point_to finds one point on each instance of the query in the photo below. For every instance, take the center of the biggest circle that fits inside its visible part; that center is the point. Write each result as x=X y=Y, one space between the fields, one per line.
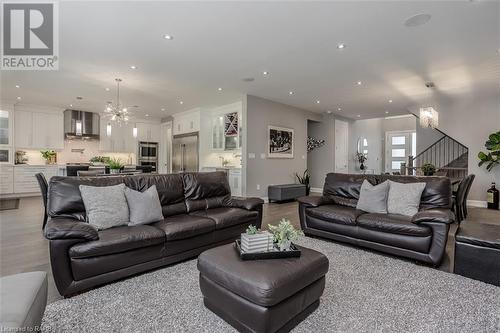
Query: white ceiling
x=217 y=44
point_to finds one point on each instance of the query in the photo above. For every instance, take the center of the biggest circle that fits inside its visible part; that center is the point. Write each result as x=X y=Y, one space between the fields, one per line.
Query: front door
x=398 y=146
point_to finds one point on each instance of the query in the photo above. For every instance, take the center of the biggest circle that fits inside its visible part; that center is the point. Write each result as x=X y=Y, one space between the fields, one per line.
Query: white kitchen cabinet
x=25 y=180
x=121 y=139
x=6 y=128
x=39 y=130
x=6 y=179
x=219 y=139
x=186 y=123
x=148 y=132
x=235 y=182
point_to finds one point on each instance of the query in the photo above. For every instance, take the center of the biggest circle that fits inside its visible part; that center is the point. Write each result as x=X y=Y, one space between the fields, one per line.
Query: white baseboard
x=316 y=189
x=477 y=203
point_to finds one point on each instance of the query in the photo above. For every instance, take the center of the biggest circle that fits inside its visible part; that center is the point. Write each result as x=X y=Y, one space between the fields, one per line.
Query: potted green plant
x=115 y=164
x=284 y=234
x=99 y=160
x=428 y=169
x=361 y=158
x=492 y=157
x=305 y=179
x=256 y=240
x=50 y=156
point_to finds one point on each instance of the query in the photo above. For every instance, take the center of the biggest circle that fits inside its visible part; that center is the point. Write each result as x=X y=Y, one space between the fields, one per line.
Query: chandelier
x=117 y=112
x=429 y=117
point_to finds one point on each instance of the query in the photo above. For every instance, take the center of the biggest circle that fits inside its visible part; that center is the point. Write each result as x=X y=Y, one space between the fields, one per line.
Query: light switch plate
x=263 y=156
x=251 y=155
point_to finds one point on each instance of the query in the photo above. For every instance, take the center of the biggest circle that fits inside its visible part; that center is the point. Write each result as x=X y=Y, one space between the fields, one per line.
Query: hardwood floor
x=23 y=247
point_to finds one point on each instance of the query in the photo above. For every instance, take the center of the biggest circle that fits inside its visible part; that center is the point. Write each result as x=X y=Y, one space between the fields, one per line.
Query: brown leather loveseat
x=199 y=213
x=422 y=237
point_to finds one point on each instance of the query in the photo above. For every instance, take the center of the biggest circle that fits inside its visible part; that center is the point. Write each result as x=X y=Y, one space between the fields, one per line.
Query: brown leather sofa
x=421 y=237
x=199 y=213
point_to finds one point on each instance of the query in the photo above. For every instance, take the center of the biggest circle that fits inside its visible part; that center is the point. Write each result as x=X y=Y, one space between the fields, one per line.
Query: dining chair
x=42 y=182
x=470 y=180
x=460 y=198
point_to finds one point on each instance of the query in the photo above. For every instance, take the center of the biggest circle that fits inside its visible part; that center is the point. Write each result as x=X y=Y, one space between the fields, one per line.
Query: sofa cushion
x=373 y=198
x=404 y=198
x=184 y=226
x=106 y=206
x=144 y=207
x=335 y=213
x=205 y=190
x=119 y=239
x=225 y=217
x=392 y=223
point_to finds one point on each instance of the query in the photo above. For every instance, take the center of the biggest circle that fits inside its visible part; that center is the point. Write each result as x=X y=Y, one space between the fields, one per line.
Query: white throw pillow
x=106 y=206
x=373 y=198
x=403 y=198
x=144 y=207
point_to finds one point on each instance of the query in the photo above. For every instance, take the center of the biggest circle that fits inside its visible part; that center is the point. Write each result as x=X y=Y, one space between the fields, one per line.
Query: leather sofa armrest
x=314 y=201
x=67 y=228
x=434 y=215
x=246 y=203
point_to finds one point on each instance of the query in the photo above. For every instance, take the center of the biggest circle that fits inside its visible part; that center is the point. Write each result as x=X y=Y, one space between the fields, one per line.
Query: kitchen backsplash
x=73 y=153
x=214 y=160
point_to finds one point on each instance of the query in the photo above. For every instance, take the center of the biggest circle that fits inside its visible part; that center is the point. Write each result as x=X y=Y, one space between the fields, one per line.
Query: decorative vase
x=114 y=171
x=285 y=245
x=428 y=173
x=361 y=166
x=51 y=160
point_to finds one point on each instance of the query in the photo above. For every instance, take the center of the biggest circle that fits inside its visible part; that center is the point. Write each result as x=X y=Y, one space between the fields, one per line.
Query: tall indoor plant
x=492 y=156
x=305 y=179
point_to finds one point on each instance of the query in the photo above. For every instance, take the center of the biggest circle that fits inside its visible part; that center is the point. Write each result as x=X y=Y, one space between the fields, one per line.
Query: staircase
x=449 y=156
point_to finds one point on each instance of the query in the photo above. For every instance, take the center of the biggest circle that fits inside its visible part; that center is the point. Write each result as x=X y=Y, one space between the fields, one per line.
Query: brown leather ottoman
x=261 y=295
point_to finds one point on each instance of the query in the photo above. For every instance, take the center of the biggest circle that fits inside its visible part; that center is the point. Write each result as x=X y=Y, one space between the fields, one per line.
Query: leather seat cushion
x=335 y=213
x=393 y=223
x=479 y=234
x=225 y=217
x=184 y=226
x=262 y=282
x=118 y=239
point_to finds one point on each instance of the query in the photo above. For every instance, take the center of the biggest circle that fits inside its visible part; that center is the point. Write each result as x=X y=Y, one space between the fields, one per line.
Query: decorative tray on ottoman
x=294 y=252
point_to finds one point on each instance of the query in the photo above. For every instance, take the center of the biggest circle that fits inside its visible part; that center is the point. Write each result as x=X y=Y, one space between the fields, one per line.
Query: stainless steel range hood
x=81 y=125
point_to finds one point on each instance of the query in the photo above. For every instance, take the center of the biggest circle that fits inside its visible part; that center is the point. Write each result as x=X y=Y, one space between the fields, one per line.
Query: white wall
x=321 y=161
x=262 y=171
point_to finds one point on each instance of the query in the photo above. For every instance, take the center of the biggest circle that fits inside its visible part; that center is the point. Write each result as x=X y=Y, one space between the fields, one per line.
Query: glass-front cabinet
x=6 y=153
x=226 y=131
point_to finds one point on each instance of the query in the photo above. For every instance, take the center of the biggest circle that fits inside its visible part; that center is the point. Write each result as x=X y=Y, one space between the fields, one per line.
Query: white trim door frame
x=398 y=146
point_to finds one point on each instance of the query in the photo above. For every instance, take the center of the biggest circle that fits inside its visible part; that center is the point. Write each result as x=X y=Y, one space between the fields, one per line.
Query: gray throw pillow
x=373 y=198
x=404 y=199
x=106 y=206
x=144 y=207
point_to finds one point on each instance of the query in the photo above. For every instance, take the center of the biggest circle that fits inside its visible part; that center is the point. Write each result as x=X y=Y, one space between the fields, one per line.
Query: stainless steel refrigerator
x=185 y=153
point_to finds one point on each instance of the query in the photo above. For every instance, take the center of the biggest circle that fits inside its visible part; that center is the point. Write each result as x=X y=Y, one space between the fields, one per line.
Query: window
x=399 y=145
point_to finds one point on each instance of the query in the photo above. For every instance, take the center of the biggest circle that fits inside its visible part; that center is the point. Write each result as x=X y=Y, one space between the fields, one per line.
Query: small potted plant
x=115 y=164
x=50 y=156
x=255 y=240
x=428 y=169
x=361 y=158
x=305 y=179
x=99 y=160
x=284 y=234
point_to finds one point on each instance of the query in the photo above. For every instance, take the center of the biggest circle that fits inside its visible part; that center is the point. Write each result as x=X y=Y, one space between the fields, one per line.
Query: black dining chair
x=42 y=182
x=470 y=180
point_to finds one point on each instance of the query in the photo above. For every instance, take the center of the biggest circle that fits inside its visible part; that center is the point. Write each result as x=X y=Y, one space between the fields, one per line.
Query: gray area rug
x=365 y=292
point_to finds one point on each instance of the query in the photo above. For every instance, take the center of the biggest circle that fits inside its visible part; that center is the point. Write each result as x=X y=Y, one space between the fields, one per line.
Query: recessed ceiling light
x=339 y=109
x=107 y=89
x=265 y=73
x=71 y=105
x=341 y=46
x=359 y=83
x=168 y=37
x=318 y=101
x=163 y=109
x=219 y=89
x=133 y=67
x=181 y=102
x=328 y=111
x=147 y=115
x=417 y=20
x=290 y=93
x=18 y=86
x=18 y=98
x=386 y=112
x=390 y=101
x=359 y=116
